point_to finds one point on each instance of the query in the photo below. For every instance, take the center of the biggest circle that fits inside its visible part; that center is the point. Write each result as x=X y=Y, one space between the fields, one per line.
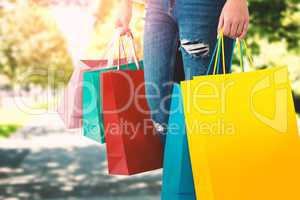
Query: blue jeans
x=190 y=25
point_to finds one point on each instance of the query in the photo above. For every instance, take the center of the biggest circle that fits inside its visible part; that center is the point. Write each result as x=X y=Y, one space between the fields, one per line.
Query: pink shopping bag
x=70 y=107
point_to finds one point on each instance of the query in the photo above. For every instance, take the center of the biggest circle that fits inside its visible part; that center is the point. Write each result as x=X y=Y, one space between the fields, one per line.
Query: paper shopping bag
x=92 y=101
x=178 y=183
x=93 y=127
x=104 y=62
x=70 y=106
x=132 y=144
x=242 y=135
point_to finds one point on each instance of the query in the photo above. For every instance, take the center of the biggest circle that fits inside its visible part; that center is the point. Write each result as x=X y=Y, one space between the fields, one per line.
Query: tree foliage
x=30 y=40
x=32 y=44
x=276 y=20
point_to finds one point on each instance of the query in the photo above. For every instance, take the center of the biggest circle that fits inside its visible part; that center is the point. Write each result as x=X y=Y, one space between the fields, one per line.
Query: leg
x=160 y=45
x=198 y=21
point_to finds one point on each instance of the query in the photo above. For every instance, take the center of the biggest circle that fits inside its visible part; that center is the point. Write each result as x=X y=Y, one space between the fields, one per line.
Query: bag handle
x=130 y=40
x=216 y=54
x=118 y=40
x=110 y=49
x=240 y=45
x=244 y=52
x=248 y=54
x=120 y=50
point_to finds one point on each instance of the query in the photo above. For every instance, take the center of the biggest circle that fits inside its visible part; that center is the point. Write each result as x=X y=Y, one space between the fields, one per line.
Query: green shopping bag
x=92 y=118
x=93 y=127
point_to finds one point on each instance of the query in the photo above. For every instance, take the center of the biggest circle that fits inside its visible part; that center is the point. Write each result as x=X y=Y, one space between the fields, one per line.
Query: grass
x=7 y=130
x=11 y=120
x=14 y=117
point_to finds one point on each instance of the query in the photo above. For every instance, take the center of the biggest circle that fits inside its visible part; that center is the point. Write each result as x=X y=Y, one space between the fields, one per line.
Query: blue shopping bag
x=178 y=183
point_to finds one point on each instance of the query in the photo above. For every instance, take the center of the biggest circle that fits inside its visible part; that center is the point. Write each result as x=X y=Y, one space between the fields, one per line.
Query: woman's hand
x=124 y=16
x=234 y=19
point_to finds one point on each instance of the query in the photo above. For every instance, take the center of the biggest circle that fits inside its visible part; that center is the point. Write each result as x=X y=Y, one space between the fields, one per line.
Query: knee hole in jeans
x=195 y=48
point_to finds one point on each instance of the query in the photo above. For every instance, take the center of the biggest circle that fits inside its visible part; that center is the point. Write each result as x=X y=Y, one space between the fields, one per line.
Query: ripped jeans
x=190 y=25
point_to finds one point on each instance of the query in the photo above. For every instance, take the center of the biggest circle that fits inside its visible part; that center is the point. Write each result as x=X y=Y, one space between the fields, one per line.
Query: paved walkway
x=45 y=161
x=42 y=162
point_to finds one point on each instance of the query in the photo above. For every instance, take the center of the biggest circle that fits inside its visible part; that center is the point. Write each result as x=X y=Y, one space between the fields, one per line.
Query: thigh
x=198 y=22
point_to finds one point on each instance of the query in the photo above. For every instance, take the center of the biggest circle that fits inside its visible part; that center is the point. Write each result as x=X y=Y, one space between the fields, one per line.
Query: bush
x=7 y=130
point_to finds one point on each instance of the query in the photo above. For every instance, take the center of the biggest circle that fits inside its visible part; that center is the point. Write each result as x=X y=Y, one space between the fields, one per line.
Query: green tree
x=31 y=44
x=276 y=20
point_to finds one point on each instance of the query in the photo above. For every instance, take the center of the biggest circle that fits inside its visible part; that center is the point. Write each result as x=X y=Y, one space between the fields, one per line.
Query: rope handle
x=130 y=40
x=248 y=54
x=217 y=52
x=220 y=47
x=109 y=53
x=133 y=49
x=118 y=40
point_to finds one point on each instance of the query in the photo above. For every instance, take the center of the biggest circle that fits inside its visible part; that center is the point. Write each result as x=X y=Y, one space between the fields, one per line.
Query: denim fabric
x=188 y=24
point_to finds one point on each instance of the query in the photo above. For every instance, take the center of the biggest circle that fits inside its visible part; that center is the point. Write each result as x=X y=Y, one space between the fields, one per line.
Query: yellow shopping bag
x=242 y=135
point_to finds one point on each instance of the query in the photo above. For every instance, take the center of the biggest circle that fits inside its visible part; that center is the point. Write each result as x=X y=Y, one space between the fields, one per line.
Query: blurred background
x=41 y=42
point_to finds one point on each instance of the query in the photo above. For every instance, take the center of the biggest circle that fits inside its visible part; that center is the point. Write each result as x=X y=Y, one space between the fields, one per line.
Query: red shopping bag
x=132 y=144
